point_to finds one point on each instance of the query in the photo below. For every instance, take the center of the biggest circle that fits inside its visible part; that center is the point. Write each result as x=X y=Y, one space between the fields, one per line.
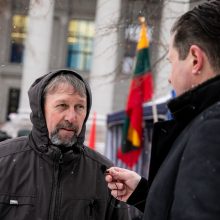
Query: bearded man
x=51 y=174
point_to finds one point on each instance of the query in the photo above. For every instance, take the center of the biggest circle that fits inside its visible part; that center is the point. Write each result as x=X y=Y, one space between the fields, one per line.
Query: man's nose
x=71 y=116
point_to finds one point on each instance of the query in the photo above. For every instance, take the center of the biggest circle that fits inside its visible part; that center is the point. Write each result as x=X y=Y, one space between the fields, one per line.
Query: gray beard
x=57 y=140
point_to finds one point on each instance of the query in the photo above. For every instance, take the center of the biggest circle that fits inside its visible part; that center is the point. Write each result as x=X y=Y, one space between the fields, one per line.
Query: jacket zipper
x=55 y=198
x=91 y=208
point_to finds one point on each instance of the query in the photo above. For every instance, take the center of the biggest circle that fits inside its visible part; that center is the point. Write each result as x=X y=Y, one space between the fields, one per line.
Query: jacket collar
x=193 y=102
x=183 y=108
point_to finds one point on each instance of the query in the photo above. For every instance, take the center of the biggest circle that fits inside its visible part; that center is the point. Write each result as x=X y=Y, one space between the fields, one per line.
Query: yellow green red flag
x=141 y=90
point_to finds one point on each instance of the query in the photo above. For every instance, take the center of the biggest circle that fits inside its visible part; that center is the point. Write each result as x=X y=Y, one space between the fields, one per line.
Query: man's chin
x=64 y=141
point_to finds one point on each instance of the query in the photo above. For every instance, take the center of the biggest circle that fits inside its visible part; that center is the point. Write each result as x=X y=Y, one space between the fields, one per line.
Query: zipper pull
x=91 y=207
x=61 y=159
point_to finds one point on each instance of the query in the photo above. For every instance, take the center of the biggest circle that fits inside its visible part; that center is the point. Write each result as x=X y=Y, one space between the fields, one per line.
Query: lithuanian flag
x=141 y=90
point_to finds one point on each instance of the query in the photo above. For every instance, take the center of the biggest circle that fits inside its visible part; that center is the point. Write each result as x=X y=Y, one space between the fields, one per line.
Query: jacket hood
x=35 y=94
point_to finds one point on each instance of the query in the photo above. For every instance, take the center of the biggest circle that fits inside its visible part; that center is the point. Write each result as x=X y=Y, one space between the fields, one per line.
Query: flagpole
x=154 y=106
x=141 y=89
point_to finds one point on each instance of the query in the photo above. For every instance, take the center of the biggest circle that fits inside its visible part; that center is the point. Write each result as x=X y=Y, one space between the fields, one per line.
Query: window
x=80 y=44
x=131 y=39
x=13 y=101
x=18 y=34
x=132 y=34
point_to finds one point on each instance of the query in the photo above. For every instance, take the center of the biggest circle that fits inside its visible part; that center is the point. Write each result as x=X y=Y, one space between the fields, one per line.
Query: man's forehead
x=64 y=97
x=65 y=88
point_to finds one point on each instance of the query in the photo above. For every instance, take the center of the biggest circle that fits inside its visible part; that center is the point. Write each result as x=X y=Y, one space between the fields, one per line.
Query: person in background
x=184 y=176
x=51 y=174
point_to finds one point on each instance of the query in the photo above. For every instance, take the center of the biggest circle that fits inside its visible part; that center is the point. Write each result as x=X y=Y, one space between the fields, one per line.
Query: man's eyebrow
x=82 y=101
x=59 y=101
x=82 y=98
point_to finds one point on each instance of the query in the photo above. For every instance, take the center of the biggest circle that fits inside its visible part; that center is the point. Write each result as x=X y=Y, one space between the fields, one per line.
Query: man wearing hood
x=51 y=174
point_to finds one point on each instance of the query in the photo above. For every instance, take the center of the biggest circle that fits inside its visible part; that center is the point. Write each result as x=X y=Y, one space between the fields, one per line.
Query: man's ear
x=197 y=56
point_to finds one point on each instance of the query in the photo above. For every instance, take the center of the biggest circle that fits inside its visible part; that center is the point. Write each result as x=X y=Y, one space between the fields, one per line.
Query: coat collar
x=193 y=102
x=184 y=109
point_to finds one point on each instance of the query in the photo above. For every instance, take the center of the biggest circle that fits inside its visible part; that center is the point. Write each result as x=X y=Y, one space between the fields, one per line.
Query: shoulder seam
x=103 y=161
x=17 y=152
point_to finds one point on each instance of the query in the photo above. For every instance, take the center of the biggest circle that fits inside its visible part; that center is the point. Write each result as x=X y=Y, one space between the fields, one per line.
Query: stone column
x=171 y=11
x=36 y=59
x=105 y=52
x=37 y=47
x=105 y=62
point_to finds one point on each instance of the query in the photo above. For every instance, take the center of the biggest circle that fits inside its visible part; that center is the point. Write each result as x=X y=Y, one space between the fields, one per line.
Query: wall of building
x=11 y=73
x=159 y=16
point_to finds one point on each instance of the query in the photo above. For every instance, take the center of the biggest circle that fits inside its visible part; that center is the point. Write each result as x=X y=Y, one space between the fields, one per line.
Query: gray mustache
x=67 y=125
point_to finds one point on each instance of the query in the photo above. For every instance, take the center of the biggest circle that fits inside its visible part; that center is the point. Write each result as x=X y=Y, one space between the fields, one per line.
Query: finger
x=119 y=186
x=118 y=169
x=120 y=195
x=119 y=173
x=112 y=186
x=108 y=178
x=116 y=186
x=122 y=192
x=114 y=193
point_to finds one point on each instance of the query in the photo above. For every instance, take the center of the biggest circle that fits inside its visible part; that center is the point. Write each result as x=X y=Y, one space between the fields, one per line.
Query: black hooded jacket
x=39 y=182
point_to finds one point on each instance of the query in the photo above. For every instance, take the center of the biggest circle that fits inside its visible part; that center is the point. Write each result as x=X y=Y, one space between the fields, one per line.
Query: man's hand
x=121 y=182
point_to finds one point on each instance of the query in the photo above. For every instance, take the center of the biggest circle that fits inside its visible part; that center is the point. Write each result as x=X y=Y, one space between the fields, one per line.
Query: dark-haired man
x=184 y=173
x=51 y=175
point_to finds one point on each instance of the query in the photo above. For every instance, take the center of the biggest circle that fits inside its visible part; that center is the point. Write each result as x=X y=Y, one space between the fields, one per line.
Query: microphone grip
x=104 y=169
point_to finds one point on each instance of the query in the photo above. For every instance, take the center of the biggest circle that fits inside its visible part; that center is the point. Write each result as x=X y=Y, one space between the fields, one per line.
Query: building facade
x=97 y=38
